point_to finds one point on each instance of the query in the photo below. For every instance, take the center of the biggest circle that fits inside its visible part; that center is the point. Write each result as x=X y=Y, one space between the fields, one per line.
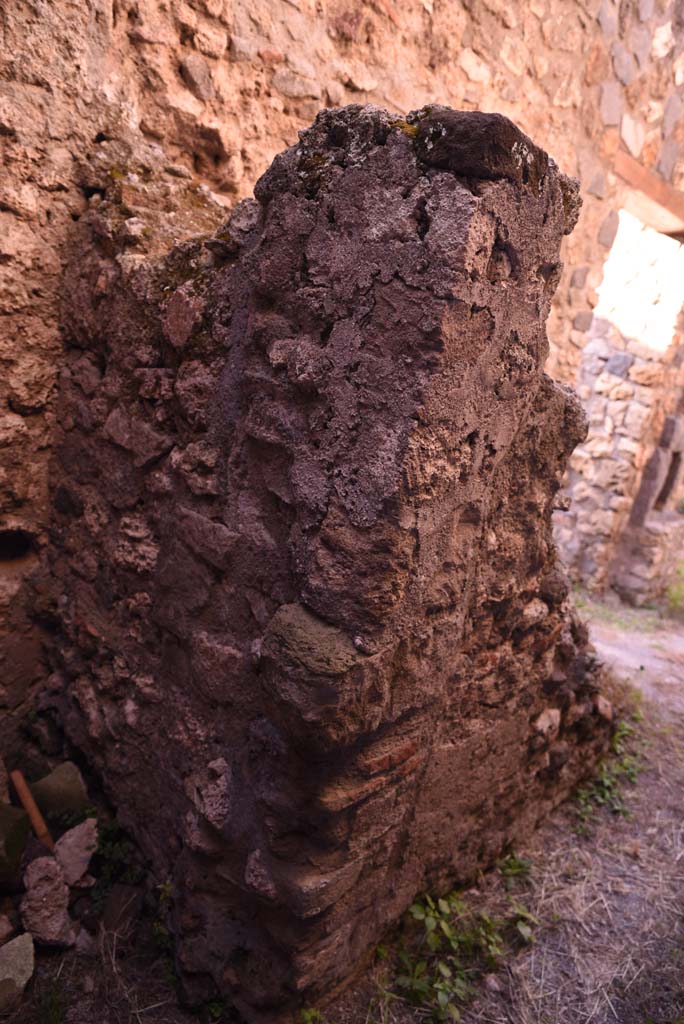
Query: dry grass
x=611 y=937
x=113 y=986
x=608 y=897
x=609 y=945
x=612 y=612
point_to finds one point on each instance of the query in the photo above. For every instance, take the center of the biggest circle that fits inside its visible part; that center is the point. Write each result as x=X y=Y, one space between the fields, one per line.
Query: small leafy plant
x=456 y=946
x=115 y=860
x=621 y=767
x=165 y=890
x=514 y=869
x=162 y=937
x=69 y=819
x=309 y=1015
x=52 y=1007
x=217 y=1011
x=524 y=922
x=675 y=592
x=116 y=855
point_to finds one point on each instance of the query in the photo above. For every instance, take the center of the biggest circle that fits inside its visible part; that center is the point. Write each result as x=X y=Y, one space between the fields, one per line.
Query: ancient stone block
x=75 y=849
x=608 y=18
x=608 y=229
x=674 y=110
x=346 y=673
x=611 y=104
x=623 y=62
x=62 y=791
x=636 y=418
x=667 y=158
x=597 y=185
x=640 y=42
x=196 y=74
x=619 y=364
x=582 y=320
x=16 y=969
x=607 y=381
x=579 y=277
x=44 y=905
x=650 y=374
x=633 y=134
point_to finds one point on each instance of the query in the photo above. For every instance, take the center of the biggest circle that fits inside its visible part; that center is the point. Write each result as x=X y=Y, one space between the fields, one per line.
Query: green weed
x=52 y=1006
x=215 y=1010
x=619 y=769
x=607 y=790
x=454 y=948
x=311 y=1016
x=514 y=869
x=218 y=1011
x=162 y=936
x=674 y=593
x=115 y=860
x=116 y=855
x=69 y=819
x=165 y=890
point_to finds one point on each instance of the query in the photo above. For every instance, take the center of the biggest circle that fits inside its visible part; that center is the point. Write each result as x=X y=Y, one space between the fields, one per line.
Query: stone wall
x=220 y=88
x=649 y=565
x=631 y=379
x=309 y=623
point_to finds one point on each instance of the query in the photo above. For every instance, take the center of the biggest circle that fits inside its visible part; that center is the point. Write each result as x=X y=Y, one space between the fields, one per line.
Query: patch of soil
x=107 y=988
x=642 y=647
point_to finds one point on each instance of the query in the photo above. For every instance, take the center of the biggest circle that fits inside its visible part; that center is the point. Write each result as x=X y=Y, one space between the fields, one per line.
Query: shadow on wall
x=20 y=649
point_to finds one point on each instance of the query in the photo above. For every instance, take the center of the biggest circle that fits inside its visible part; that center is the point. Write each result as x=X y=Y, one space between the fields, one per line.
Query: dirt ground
x=610 y=946
x=604 y=892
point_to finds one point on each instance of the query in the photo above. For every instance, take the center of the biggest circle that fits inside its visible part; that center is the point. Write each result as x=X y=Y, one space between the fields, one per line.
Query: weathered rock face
x=44 y=907
x=621 y=528
x=311 y=622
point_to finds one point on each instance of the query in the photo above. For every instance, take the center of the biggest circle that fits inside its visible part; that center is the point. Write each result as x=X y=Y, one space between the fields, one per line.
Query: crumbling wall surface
x=630 y=381
x=309 y=621
x=629 y=392
x=220 y=88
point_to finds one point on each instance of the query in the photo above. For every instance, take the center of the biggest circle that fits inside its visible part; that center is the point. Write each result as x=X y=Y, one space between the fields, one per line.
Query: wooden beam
x=35 y=817
x=650 y=184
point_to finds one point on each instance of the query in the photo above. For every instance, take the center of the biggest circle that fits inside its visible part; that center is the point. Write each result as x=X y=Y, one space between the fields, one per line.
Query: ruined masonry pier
x=312 y=629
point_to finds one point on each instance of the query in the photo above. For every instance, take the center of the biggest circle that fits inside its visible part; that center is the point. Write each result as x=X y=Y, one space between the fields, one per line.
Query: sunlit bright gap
x=641 y=293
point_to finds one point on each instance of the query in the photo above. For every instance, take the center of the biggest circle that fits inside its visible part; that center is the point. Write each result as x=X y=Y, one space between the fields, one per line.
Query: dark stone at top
x=477 y=145
x=470 y=144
